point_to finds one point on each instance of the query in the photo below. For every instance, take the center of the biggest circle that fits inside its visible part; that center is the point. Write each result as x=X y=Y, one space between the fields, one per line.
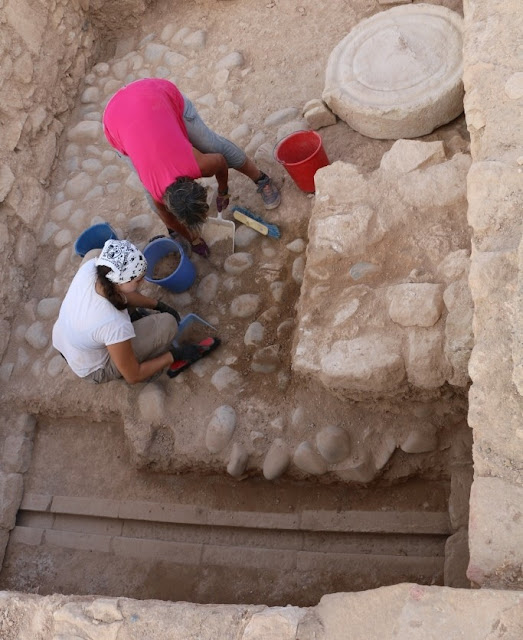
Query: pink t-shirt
x=144 y=121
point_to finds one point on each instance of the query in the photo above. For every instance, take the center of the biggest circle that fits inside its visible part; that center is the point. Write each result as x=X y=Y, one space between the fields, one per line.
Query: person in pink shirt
x=152 y=123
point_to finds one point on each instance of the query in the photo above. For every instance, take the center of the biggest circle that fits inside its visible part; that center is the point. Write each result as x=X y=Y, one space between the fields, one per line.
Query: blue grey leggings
x=207 y=141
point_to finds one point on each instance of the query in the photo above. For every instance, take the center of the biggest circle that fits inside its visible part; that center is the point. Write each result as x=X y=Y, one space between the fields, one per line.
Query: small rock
x=7 y=179
x=420 y=441
x=234 y=59
x=207 y=288
x=173 y=59
x=37 y=336
x=333 y=444
x=281 y=116
x=62 y=211
x=266 y=360
x=285 y=329
x=277 y=288
x=154 y=53
x=319 y=116
x=48 y=308
x=143 y=221
x=56 y=366
x=298 y=268
x=220 y=428
x=269 y=315
x=62 y=238
x=151 y=403
x=225 y=377
x=306 y=459
x=362 y=269
x=237 y=263
x=254 y=334
x=92 y=165
x=109 y=174
x=278 y=424
x=244 y=236
x=78 y=185
x=91 y=94
x=195 y=40
x=104 y=610
x=290 y=127
x=85 y=132
x=277 y=460
x=237 y=461
x=245 y=305
x=296 y=246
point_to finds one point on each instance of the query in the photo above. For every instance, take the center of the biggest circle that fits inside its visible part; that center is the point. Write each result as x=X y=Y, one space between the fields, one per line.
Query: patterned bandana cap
x=124 y=259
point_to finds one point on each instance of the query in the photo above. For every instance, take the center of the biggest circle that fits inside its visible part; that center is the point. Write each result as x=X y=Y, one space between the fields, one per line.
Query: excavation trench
x=90 y=524
x=104 y=510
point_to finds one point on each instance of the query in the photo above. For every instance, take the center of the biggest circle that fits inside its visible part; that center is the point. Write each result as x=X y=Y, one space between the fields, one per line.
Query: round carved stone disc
x=399 y=73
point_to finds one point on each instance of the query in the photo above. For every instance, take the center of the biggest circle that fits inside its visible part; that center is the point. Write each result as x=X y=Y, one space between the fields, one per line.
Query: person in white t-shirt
x=94 y=332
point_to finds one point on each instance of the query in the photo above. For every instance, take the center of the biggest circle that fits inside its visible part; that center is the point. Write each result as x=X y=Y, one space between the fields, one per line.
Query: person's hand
x=200 y=247
x=165 y=308
x=222 y=201
x=187 y=352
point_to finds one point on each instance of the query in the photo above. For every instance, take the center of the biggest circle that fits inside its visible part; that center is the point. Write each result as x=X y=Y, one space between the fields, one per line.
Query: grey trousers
x=154 y=334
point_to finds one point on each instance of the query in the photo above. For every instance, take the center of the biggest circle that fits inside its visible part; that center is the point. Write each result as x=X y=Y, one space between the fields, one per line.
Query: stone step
x=420 y=568
x=399 y=522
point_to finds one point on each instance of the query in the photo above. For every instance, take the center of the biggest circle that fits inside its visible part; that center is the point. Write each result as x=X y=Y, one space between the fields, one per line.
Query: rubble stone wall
x=45 y=49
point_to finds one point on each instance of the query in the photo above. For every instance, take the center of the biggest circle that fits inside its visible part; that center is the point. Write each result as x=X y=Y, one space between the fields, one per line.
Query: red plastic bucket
x=302 y=154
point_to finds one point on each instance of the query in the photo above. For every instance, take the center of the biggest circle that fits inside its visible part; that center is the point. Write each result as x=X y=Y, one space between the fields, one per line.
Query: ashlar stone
x=415 y=304
x=220 y=428
x=11 y=491
x=369 y=363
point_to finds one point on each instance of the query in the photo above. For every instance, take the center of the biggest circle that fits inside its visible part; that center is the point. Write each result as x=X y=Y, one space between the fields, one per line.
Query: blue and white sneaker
x=269 y=193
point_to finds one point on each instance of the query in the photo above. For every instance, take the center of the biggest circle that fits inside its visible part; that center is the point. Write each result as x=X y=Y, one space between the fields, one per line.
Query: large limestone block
x=415 y=612
x=398 y=74
x=408 y=155
x=496 y=534
x=371 y=363
x=415 y=304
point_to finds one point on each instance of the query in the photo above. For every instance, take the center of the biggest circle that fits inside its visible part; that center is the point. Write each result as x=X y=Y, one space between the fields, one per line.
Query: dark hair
x=110 y=291
x=187 y=200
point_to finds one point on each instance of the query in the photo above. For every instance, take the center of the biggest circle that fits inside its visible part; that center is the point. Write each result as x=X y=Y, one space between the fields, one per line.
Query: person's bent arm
x=213 y=164
x=136 y=299
x=132 y=371
x=171 y=222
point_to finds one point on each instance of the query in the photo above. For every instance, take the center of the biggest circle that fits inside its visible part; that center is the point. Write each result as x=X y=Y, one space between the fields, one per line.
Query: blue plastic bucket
x=182 y=277
x=94 y=238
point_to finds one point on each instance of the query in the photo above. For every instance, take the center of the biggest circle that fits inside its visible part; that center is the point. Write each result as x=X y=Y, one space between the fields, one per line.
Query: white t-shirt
x=87 y=323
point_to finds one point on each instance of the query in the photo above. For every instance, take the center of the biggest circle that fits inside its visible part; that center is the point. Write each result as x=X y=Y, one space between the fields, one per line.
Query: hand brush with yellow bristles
x=255 y=222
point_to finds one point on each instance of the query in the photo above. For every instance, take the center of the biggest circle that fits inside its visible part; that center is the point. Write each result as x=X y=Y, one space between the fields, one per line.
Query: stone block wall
x=493 y=106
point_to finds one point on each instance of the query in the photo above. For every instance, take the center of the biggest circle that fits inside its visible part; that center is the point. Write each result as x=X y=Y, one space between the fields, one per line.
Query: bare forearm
x=171 y=222
x=148 y=368
x=136 y=299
